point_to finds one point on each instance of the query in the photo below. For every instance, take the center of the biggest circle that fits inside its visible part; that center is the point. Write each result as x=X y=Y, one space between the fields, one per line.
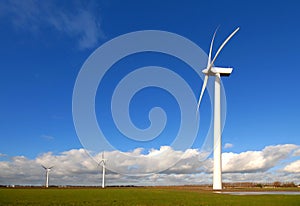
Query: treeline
x=260 y=185
x=62 y=186
x=276 y=184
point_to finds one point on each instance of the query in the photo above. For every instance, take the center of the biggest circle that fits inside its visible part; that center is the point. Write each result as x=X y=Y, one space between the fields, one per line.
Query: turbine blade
x=202 y=91
x=101 y=163
x=44 y=167
x=210 y=49
x=222 y=46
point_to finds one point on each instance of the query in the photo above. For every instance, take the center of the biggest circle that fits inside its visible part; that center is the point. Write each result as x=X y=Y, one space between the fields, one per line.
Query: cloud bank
x=75 y=167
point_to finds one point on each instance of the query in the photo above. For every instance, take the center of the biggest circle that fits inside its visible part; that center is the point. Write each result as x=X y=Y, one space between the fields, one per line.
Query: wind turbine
x=217 y=72
x=103 y=162
x=47 y=175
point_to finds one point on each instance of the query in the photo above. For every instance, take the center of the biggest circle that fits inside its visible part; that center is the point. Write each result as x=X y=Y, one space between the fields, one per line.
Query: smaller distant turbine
x=47 y=175
x=102 y=163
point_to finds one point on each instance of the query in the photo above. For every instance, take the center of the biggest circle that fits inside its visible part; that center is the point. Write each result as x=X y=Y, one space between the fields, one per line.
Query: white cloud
x=76 y=167
x=78 y=20
x=263 y=177
x=2 y=155
x=228 y=145
x=296 y=152
x=256 y=161
x=156 y=160
x=293 y=167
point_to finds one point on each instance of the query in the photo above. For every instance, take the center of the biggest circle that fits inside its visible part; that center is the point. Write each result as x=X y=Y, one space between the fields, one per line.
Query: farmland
x=136 y=196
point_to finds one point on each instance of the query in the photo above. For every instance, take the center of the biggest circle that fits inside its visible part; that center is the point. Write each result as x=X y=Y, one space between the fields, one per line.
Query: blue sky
x=44 y=45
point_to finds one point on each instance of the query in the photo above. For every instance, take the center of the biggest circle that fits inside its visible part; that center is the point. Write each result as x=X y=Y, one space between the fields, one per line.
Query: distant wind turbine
x=47 y=169
x=217 y=72
x=102 y=163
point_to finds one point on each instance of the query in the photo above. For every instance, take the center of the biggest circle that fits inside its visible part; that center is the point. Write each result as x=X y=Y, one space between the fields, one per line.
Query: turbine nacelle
x=102 y=161
x=47 y=168
x=217 y=70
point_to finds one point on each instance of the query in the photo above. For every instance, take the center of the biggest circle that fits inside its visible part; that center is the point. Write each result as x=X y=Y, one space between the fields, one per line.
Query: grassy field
x=136 y=196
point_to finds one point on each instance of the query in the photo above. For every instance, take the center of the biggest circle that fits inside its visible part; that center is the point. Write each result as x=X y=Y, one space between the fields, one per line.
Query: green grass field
x=136 y=196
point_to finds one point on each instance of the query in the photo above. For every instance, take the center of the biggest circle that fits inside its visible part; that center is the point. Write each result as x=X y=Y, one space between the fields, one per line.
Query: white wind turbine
x=47 y=175
x=103 y=162
x=217 y=72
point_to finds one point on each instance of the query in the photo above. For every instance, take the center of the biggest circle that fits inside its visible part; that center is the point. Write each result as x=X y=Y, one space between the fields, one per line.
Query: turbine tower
x=217 y=72
x=103 y=162
x=47 y=175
